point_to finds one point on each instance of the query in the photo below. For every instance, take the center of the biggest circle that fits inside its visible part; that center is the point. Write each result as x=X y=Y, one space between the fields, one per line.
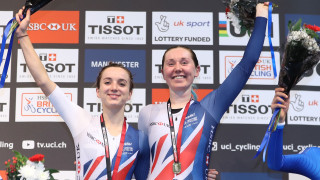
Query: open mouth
x=178 y=77
x=113 y=95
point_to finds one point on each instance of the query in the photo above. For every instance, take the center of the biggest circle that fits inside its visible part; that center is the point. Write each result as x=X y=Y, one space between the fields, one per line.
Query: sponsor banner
x=311 y=77
x=242 y=147
x=262 y=73
x=304 y=108
x=250 y=107
x=306 y=19
x=134 y=60
x=205 y=58
x=115 y=27
x=6 y=145
x=3 y=175
x=54 y=27
x=31 y=144
x=4 y=104
x=8 y=77
x=230 y=35
x=61 y=65
x=33 y=106
x=65 y=175
x=162 y=95
x=132 y=108
x=6 y=16
x=192 y=28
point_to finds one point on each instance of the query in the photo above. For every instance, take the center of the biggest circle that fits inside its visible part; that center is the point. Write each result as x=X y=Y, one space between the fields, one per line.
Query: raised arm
x=34 y=64
x=275 y=157
x=218 y=101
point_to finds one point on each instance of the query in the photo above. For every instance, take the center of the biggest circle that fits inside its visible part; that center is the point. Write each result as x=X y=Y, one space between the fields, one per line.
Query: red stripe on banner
x=160 y=143
x=186 y=158
x=93 y=167
x=222 y=25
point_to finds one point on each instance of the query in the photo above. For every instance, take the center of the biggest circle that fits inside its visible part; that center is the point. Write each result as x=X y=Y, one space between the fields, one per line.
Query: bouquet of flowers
x=20 y=167
x=301 y=53
x=242 y=13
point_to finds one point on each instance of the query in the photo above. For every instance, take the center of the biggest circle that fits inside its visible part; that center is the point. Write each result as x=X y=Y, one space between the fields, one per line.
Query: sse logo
x=115 y=27
x=55 y=27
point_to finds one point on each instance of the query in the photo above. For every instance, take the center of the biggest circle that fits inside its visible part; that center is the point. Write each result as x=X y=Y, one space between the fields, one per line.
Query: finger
x=266 y=3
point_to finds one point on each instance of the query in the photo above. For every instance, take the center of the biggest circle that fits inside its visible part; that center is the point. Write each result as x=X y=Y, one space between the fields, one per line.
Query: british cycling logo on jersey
x=159 y=124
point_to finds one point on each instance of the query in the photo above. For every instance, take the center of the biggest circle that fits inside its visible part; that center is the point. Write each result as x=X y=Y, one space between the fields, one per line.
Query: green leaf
x=297 y=26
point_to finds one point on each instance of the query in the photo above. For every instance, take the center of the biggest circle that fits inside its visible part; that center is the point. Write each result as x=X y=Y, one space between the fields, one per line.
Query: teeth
x=178 y=77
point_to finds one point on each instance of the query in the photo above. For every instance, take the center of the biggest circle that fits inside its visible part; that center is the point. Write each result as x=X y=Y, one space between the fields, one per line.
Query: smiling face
x=114 y=90
x=179 y=69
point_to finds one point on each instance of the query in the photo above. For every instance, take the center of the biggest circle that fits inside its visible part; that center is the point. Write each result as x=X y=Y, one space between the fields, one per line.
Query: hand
x=212 y=174
x=262 y=10
x=282 y=98
x=23 y=24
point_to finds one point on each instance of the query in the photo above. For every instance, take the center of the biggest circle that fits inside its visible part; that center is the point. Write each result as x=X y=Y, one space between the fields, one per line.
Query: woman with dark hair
x=181 y=131
x=307 y=162
x=106 y=147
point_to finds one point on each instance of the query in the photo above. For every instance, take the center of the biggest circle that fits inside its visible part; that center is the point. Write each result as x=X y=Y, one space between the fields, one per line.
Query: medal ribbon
x=176 y=145
x=4 y=39
x=106 y=143
x=270 y=42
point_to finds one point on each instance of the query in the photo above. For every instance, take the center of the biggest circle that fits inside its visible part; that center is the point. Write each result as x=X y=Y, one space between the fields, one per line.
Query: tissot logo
x=250 y=98
x=61 y=65
x=4 y=104
x=250 y=107
x=132 y=108
x=115 y=27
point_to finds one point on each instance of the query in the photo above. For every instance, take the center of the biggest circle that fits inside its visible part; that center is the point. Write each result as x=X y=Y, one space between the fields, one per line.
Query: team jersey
x=201 y=121
x=89 y=143
x=306 y=163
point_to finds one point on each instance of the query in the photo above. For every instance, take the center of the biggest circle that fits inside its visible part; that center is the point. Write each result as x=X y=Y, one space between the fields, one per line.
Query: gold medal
x=176 y=167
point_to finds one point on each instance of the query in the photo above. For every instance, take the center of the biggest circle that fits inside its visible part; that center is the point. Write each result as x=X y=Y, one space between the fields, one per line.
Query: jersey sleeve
x=293 y=163
x=144 y=117
x=75 y=117
x=219 y=100
x=142 y=168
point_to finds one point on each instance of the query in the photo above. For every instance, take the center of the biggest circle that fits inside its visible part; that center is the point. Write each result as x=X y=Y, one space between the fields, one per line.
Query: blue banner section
x=260 y=176
x=134 y=60
x=306 y=19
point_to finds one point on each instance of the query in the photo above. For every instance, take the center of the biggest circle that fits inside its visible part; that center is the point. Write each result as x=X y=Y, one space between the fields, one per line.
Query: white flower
x=42 y=175
x=34 y=171
x=234 y=19
x=28 y=171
